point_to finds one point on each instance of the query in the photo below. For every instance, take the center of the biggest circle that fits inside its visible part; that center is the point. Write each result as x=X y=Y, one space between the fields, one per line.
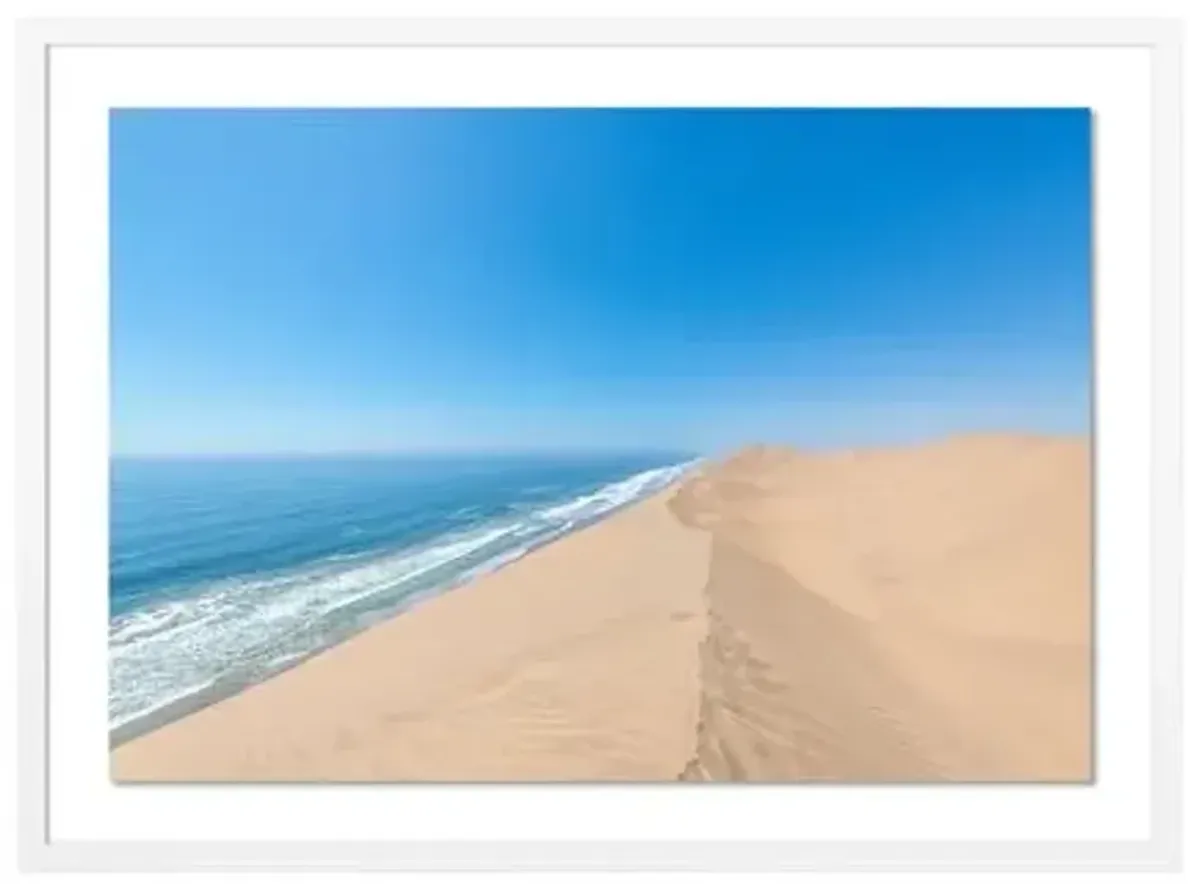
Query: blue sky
x=416 y=280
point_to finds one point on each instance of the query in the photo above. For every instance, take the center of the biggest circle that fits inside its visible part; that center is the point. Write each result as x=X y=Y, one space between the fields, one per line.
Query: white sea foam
x=243 y=623
x=612 y=496
x=241 y=629
x=495 y=563
x=159 y=704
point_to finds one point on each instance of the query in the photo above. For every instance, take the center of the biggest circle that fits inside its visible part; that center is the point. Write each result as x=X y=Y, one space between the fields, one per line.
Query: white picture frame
x=41 y=849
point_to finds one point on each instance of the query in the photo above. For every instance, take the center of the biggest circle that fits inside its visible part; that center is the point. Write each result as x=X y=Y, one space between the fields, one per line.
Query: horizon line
x=1086 y=433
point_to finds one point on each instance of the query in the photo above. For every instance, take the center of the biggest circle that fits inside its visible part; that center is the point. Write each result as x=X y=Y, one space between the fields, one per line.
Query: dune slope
x=577 y=662
x=910 y=614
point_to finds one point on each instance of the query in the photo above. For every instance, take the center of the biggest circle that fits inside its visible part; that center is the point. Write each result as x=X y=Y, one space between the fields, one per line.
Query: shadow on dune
x=872 y=677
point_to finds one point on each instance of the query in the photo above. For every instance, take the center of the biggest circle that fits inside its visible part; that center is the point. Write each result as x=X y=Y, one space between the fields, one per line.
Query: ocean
x=224 y=571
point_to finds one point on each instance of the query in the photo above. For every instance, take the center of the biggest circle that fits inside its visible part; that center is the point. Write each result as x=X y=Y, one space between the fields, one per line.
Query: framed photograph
x=643 y=444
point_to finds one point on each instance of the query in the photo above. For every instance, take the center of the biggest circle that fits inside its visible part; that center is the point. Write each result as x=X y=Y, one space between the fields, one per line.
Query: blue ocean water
x=224 y=571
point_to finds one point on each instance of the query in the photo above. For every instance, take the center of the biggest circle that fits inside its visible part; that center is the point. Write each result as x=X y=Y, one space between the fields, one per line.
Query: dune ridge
x=895 y=615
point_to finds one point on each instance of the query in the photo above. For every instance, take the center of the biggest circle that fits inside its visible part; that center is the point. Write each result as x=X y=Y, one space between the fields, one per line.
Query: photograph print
x=600 y=444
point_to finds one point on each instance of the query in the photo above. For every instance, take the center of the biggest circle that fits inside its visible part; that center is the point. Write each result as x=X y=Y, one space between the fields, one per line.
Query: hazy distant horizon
x=364 y=282
x=597 y=451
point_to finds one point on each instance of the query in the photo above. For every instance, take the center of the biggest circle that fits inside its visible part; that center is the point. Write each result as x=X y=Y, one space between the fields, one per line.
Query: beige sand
x=909 y=614
x=898 y=615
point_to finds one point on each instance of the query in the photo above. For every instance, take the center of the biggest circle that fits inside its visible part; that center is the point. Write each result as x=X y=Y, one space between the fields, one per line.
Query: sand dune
x=894 y=615
x=898 y=615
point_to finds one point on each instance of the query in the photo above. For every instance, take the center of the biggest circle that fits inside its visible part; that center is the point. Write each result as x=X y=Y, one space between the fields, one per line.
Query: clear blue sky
x=361 y=280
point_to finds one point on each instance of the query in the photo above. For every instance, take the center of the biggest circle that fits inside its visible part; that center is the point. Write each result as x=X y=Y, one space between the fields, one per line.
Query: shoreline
x=916 y=614
x=224 y=687
x=478 y=637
